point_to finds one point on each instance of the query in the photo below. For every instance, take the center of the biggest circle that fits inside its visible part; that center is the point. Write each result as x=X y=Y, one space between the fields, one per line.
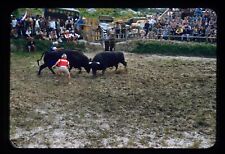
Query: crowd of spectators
x=188 y=24
x=38 y=27
x=195 y=24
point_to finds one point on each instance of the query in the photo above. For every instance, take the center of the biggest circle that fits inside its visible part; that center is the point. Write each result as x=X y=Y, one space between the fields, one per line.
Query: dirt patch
x=158 y=102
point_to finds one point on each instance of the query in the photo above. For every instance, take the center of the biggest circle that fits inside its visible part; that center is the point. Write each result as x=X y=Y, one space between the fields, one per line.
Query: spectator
x=43 y=24
x=13 y=22
x=186 y=32
x=179 y=31
x=69 y=24
x=30 y=44
x=185 y=21
x=28 y=32
x=166 y=31
x=45 y=34
x=67 y=36
x=146 y=28
x=123 y=30
x=61 y=25
x=117 y=29
x=152 y=22
x=53 y=36
x=75 y=37
x=198 y=12
x=79 y=23
x=52 y=25
x=39 y=34
x=98 y=32
x=14 y=34
x=173 y=25
x=37 y=24
x=20 y=29
x=112 y=42
x=202 y=31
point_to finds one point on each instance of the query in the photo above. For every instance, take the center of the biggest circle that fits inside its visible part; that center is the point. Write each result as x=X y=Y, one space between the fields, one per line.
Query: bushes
x=17 y=45
x=175 y=48
x=42 y=45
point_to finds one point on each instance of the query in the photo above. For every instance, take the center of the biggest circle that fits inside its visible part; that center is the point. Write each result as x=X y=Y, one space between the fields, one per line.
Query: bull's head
x=94 y=66
x=87 y=68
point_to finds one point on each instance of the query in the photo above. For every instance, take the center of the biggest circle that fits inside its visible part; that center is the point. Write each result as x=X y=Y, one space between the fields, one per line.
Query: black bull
x=76 y=59
x=106 y=59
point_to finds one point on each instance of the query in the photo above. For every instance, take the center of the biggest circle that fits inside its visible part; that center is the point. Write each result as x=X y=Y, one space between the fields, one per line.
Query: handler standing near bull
x=63 y=65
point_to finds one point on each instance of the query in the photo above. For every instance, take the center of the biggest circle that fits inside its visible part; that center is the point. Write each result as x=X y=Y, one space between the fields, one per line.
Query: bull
x=106 y=59
x=76 y=58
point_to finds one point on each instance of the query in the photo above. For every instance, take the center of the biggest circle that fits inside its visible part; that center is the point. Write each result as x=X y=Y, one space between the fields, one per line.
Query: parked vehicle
x=61 y=13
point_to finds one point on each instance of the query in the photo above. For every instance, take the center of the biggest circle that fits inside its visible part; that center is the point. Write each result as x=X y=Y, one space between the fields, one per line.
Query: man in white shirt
x=152 y=21
x=37 y=24
x=28 y=32
x=13 y=22
x=52 y=25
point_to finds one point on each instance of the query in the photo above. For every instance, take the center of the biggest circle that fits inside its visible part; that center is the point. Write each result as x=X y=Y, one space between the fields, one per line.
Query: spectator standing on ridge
x=30 y=44
x=146 y=28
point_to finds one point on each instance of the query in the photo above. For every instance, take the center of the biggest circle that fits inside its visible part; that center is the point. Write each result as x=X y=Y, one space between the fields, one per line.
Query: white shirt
x=152 y=21
x=52 y=24
x=28 y=32
x=37 y=23
x=77 y=35
x=14 y=22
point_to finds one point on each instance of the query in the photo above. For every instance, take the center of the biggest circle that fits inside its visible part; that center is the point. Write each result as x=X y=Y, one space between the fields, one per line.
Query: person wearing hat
x=146 y=28
x=30 y=44
x=62 y=66
x=67 y=35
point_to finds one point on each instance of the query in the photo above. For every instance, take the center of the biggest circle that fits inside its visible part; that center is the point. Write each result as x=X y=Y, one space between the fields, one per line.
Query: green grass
x=175 y=48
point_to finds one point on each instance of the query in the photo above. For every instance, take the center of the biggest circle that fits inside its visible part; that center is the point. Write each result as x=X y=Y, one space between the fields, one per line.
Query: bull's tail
x=41 y=57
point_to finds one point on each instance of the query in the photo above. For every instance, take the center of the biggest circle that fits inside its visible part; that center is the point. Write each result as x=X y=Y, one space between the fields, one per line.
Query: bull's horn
x=98 y=62
x=90 y=62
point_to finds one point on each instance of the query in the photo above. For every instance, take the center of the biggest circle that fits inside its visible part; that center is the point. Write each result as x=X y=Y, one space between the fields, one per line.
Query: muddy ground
x=159 y=102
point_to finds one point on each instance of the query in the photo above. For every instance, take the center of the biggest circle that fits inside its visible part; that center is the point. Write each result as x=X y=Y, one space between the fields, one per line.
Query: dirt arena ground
x=159 y=102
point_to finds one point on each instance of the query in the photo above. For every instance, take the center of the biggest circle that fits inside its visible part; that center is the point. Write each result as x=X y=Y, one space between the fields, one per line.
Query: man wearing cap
x=62 y=66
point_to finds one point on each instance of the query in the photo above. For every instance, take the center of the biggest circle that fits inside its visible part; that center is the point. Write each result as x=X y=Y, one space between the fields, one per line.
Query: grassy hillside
x=175 y=48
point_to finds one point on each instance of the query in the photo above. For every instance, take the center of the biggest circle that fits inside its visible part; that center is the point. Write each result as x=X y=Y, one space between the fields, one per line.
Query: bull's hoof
x=38 y=73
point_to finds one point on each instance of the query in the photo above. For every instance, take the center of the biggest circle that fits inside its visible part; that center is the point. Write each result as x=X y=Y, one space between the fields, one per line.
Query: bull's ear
x=98 y=63
x=90 y=63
